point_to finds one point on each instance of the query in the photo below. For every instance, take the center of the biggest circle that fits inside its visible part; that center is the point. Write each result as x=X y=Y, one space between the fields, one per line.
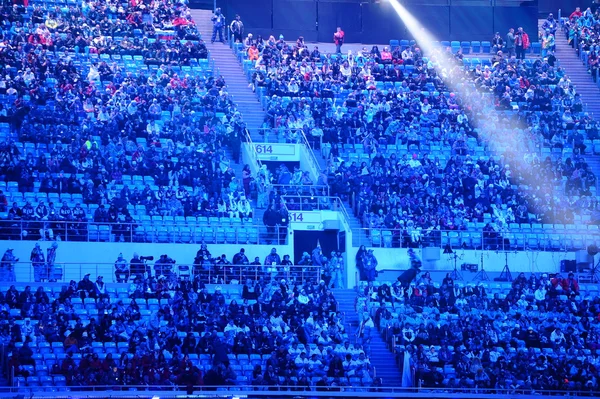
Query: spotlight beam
x=480 y=104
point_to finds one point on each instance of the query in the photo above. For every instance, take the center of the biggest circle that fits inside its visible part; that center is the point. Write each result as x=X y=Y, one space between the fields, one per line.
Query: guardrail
x=226 y=231
x=309 y=190
x=209 y=274
x=267 y=391
x=563 y=240
x=312 y=159
x=311 y=203
x=252 y=152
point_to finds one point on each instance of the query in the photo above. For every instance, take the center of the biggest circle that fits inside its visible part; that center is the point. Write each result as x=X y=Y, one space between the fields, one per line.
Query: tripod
x=455 y=275
x=505 y=273
x=482 y=274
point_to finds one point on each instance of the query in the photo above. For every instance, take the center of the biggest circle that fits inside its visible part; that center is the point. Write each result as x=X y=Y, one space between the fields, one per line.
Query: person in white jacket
x=540 y=294
x=244 y=208
x=557 y=337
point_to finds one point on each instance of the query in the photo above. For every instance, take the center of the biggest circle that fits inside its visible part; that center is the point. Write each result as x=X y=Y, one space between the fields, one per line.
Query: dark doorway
x=306 y=241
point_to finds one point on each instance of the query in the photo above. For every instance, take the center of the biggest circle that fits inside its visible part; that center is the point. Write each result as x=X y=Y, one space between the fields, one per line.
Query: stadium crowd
x=580 y=30
x=95 y=95
x=365 y=103
x=539 y=334
x=111 y=92
x=175 y=330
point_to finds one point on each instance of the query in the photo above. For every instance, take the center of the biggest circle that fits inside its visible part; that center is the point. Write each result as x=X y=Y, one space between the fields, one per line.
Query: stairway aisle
x=248 y=104
x=584 y=85
x=227 y=65
x=381 y=357
x=577 y=72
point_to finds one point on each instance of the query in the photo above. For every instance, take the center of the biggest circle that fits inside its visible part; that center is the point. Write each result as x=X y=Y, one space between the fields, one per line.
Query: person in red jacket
x=570 y=285
x=576 y=14
x=521 y=43
x=338 y=39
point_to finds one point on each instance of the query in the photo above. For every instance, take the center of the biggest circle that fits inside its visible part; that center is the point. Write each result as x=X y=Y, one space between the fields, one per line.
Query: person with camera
x=7 y=266
x=138 y=266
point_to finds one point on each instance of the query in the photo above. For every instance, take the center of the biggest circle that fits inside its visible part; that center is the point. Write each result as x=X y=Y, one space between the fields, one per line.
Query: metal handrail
x=252 y=151
x=226 y=230
x=292 y=391
x=302 y=189
x=316 y=203
x=311 y=157
x=475 y=239
x=215 y=274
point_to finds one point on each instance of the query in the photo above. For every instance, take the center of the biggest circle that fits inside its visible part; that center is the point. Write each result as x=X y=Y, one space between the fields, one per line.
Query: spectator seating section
x=430 y=141
x=506 y=306
x=174 y=54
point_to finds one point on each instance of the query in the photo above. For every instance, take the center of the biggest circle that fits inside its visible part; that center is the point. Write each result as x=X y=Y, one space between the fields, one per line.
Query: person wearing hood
x=370 y=265
x=7 y=266
x=37 y=259
x=50 y=259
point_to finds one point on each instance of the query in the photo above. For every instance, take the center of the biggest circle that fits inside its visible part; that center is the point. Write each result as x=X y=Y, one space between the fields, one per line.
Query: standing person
x=7 y=266
x=283 y=221
x=360 y=262
x=218 y=20
x=338 y=39
x=336 y=271
x=237 y=28
x=38 y=262
x=510 y=42
x=270 y=219
x=547 y=43
x=521 y=43
x=370 y=265
x=50 y=259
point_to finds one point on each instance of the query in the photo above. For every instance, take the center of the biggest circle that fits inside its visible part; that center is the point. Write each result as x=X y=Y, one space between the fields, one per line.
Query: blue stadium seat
x=466 y=47
x=486 y=47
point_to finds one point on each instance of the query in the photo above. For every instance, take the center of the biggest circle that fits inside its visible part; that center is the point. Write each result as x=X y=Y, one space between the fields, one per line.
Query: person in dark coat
x=270 y=220
x=86 y=287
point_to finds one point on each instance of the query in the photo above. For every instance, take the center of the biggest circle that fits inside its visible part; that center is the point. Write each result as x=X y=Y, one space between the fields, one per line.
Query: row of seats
x=474 y=240
x=467 y=47
x=488 y=286
x=209 y=235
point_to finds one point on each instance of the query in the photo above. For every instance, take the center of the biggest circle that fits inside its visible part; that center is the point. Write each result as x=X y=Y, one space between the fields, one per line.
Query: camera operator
x=138 y=266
